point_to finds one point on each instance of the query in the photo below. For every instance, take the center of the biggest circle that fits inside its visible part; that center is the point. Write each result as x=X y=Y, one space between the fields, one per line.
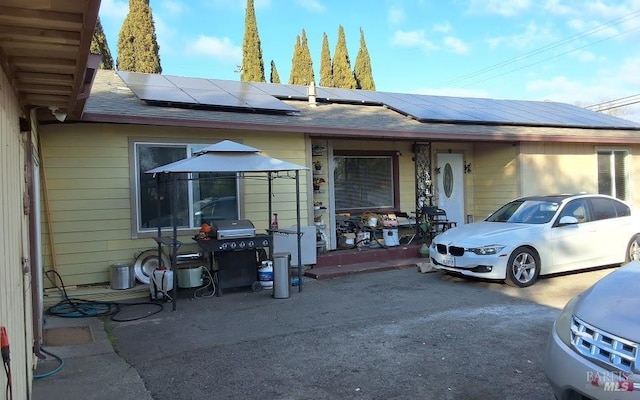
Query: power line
x=551 y=46
x=608 y=102
x=616 y=103
x=551 y=58
x=618 y=106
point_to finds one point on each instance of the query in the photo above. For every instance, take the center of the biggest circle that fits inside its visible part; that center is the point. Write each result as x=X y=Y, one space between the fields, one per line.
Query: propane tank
x=265 y=274
x=161 y=283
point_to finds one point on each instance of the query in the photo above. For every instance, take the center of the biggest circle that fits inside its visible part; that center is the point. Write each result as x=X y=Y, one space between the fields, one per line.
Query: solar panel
x=256 y=96
x=339 y=95
x=192 y=83
x=481 y=110
x=267 y=102
x=283 y=91
x=137 y=78
x=161 y=94
x=235 y=87
x=215 y=98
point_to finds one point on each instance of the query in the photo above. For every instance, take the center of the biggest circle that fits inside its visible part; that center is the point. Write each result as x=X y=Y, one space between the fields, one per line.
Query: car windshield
x=525 y=212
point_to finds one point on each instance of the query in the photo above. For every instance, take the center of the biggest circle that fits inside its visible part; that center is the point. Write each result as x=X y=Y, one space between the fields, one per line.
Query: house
x=368 y=152
x=75 y=199
x=45 y=67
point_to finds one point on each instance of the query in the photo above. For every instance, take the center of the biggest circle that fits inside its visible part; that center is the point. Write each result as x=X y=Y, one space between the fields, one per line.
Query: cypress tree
x=306 y=63
x=274 y=78
x=326 y=72
x=252 y=63
x=295 y=74
x=138 y=49
x=126 y=60
x=362 y=71
x=342 y=74
x=99 y=46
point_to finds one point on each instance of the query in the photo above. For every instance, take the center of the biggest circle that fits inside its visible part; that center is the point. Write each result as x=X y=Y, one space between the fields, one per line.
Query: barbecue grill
x=229 y=235
x=234 y=244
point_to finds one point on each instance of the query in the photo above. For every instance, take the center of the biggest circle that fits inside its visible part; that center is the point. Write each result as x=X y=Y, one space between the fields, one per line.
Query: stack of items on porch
x=366 y=230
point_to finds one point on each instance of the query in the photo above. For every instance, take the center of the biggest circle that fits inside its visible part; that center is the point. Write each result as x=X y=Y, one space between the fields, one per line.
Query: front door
x=450 y=183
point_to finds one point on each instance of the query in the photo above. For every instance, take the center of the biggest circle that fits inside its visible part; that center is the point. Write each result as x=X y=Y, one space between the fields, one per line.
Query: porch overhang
x=44 y=52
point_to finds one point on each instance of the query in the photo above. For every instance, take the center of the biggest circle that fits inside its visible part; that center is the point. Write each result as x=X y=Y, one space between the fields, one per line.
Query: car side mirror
x=568 y=220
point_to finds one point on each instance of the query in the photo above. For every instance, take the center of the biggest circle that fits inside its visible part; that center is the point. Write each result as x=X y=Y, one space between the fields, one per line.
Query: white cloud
x=628 y=74
x=415 y=39
x=312 y=5
x=444 y=27
x=605 y=85
x=554 y=7
x=218 y=48
x=583 y=55
x=506 y=8
x=527 y=39
x=396 y=16
x=455 y=45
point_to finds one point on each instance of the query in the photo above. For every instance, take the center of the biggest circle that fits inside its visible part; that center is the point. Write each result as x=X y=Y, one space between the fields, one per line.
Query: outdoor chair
x=438 y=220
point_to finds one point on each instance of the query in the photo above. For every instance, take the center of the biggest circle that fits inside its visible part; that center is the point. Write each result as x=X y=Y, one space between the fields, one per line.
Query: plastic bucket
x=122 y=276
x=391 y=237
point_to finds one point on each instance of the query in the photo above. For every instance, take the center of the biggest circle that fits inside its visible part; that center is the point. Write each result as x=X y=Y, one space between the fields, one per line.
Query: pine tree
x=274 y=78
x=362 y=71
x=342 y=74
x=326 y=72
x=306 y=63
x=295 y=73
x=252 y=63
x=138 y=49
x=99 y=46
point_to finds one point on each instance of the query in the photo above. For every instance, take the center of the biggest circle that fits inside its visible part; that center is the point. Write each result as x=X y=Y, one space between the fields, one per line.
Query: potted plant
x=316 y=183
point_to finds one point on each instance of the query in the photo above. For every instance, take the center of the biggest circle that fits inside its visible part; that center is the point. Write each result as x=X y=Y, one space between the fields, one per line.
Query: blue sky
x=575 y=51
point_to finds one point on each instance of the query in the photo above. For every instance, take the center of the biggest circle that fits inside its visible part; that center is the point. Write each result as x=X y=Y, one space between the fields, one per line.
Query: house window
x=366 y=181
x=200 y=197
x=613 y=175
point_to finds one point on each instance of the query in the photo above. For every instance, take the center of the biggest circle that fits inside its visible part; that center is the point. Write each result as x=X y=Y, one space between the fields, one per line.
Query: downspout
x=36 y=272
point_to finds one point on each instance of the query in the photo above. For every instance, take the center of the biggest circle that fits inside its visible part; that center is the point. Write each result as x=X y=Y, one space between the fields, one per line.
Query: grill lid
x=229 y=229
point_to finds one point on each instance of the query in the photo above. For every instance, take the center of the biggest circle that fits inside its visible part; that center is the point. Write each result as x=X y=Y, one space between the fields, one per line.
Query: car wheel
x=633 y=250
x=523 y=267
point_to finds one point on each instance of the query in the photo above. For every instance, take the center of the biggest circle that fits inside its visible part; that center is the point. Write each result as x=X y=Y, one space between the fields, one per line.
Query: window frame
x=395 y=178
x=134 y=184
x=610 y=151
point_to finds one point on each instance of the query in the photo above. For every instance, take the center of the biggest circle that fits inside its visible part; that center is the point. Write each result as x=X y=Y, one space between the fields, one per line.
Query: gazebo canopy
x=228 y=156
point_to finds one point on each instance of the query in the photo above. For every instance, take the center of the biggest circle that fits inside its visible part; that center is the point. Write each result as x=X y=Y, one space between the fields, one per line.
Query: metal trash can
x=122 y=276
x=281 y=275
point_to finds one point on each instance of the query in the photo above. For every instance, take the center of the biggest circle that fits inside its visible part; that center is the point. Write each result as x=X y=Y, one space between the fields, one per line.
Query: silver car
x=593 y=349
x=539 y=235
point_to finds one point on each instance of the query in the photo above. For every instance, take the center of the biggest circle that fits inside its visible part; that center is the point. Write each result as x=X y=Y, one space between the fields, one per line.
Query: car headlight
x=563 y=322
x=486 y=250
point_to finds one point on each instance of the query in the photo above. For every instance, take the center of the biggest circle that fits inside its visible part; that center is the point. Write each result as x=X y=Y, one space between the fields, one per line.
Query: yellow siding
x=558 y=168
x=495 y=177
x=89 y=191
x=15 y=289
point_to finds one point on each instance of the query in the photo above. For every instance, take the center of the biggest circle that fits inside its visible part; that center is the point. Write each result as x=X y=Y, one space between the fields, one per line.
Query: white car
x=594 y=347
x=540 y=235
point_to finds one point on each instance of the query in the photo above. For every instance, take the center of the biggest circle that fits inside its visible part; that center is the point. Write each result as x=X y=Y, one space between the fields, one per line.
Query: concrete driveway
x=396 y=334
